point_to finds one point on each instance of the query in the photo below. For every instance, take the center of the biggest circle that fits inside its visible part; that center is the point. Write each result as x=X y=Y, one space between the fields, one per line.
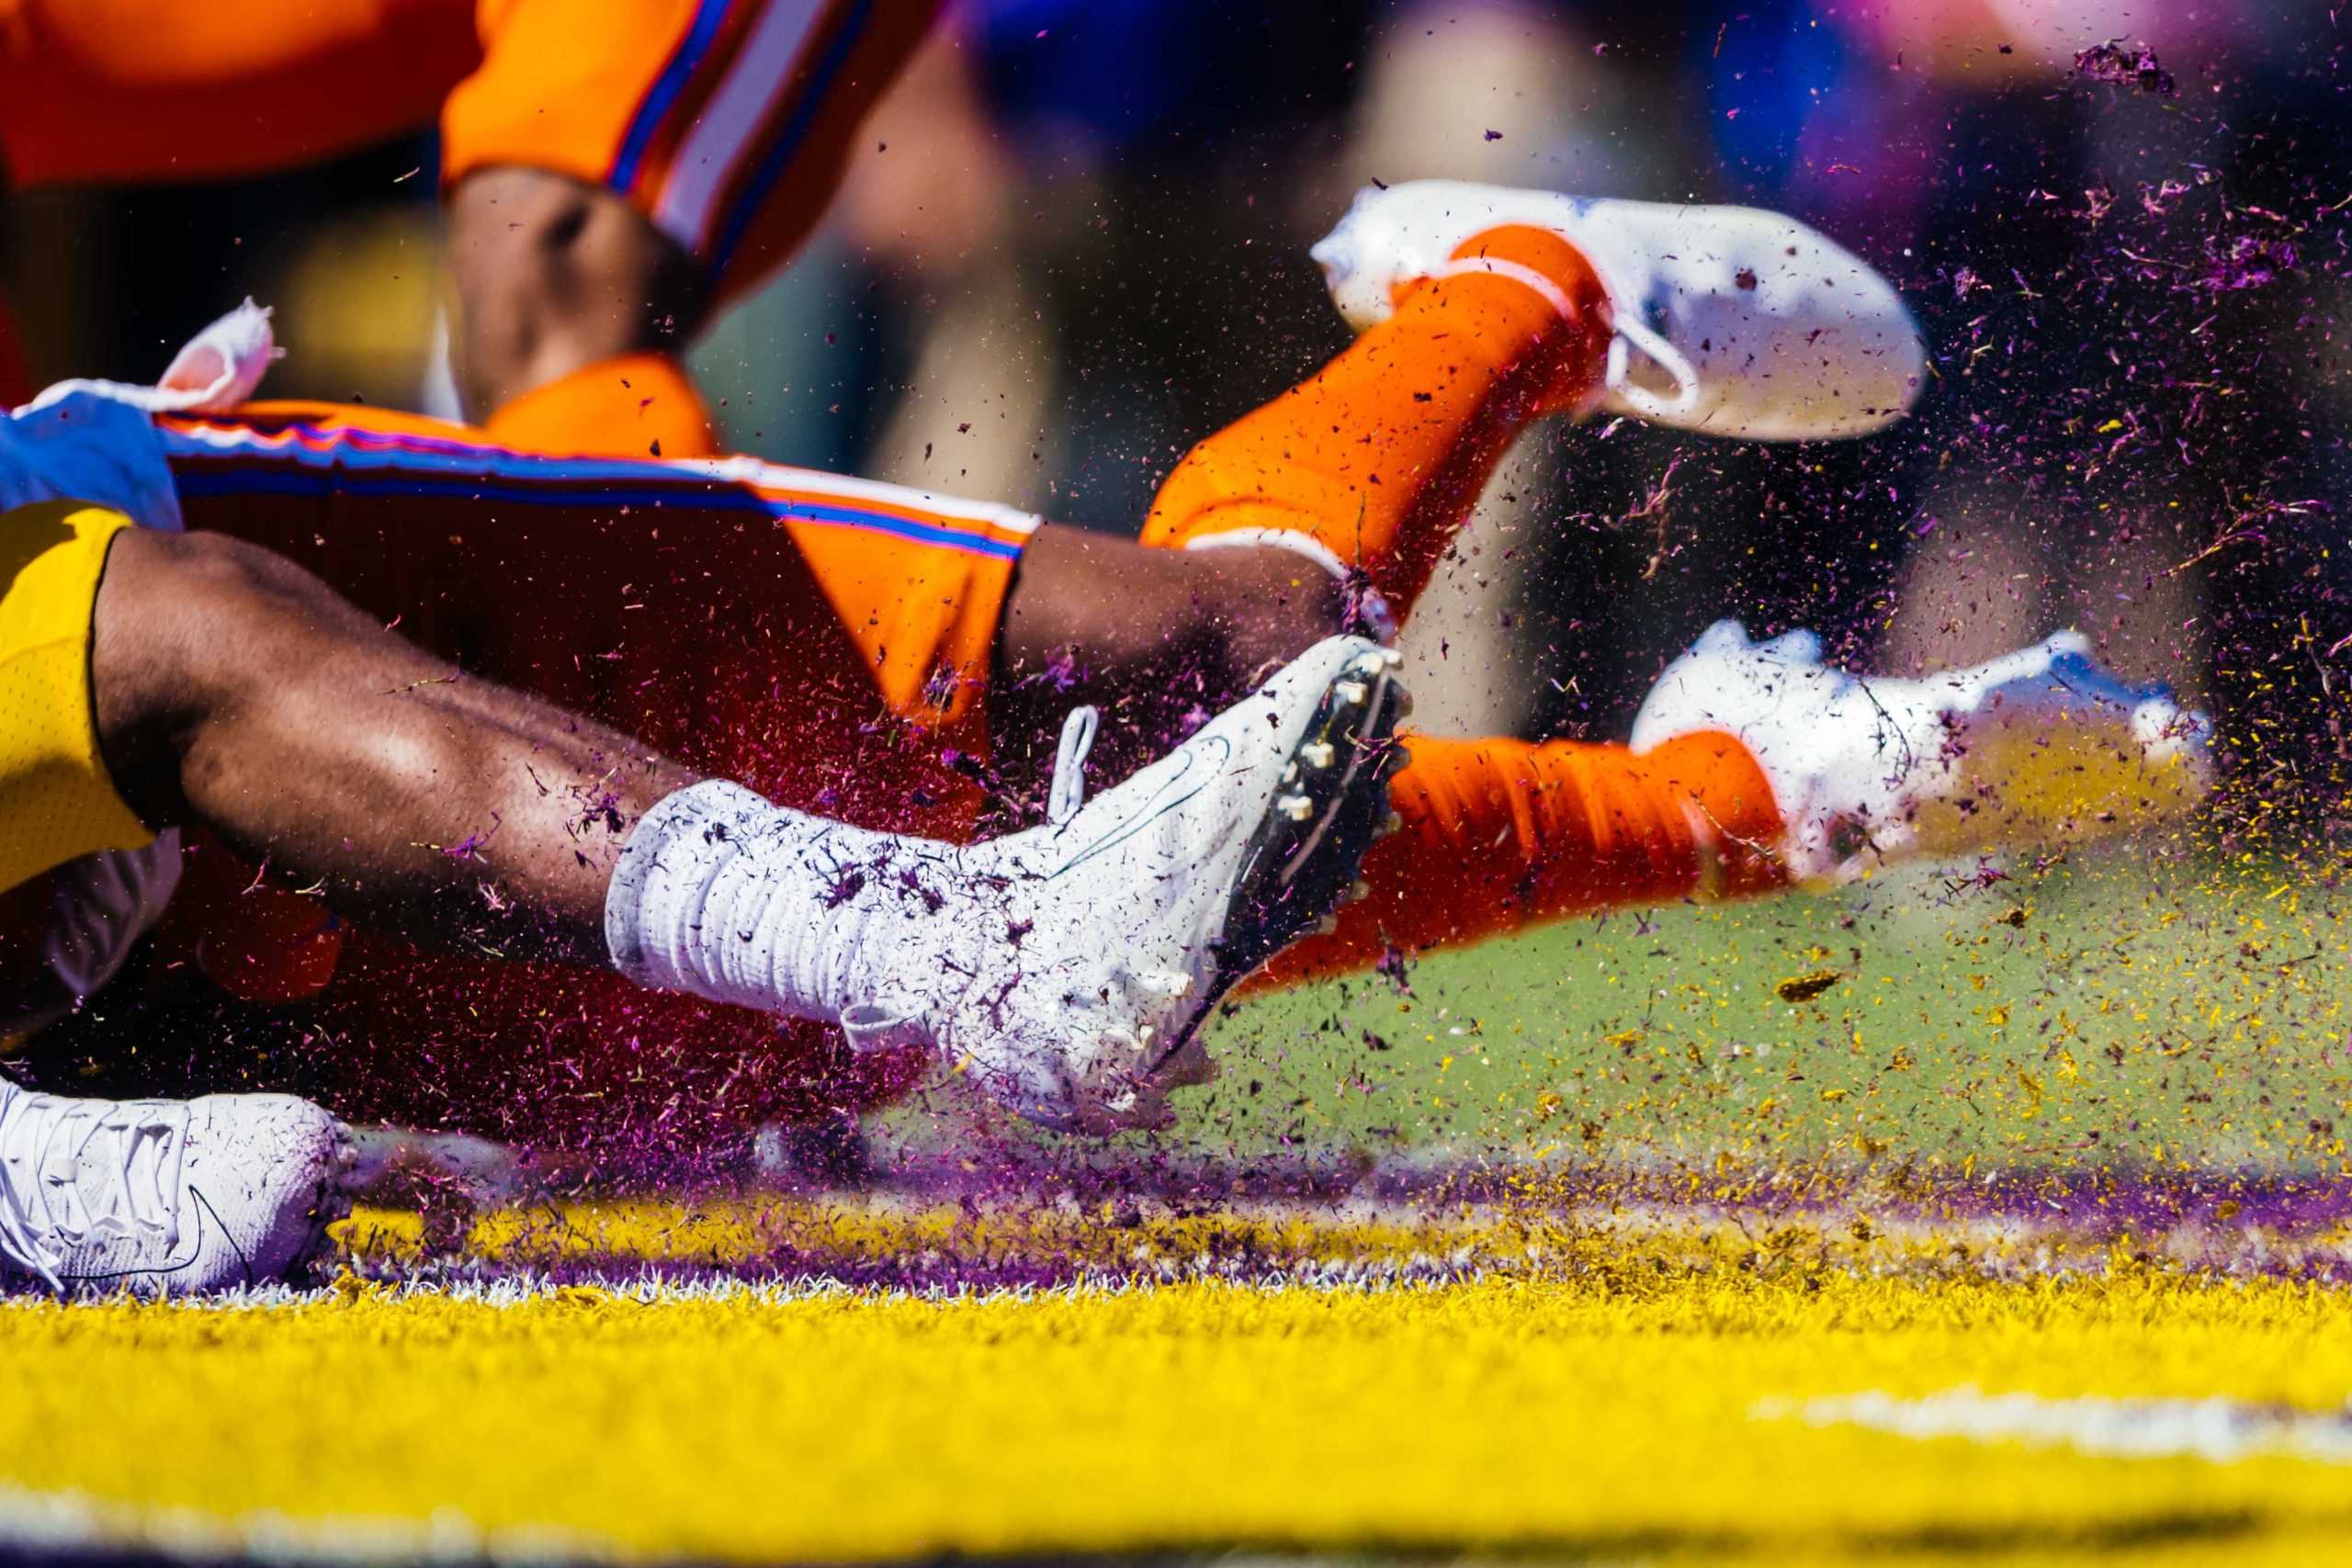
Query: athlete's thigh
x=724 y=125
x=799 y=631
x=114 y=90
x=750 y=619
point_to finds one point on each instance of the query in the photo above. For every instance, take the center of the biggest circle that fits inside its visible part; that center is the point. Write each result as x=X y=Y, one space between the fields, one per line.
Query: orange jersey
x=109 y=91
x=900 y=589
x=725 y=122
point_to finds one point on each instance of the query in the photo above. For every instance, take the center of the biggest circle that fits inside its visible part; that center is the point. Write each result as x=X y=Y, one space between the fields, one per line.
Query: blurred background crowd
x=1075 y=242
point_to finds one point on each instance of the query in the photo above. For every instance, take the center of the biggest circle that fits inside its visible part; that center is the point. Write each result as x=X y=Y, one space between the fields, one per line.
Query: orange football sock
x=640 y=405
x=1503 y=834
x=1379 y=456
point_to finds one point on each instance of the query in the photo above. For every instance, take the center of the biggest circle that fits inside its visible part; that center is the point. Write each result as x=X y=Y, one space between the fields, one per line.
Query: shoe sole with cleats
x=1305 y=857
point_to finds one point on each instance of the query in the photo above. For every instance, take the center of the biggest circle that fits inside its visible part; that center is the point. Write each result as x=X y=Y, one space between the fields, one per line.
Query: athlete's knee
x=171 y=619
x=172 y=613
x=1221 y=616
x=155 y=578
x=200 y=575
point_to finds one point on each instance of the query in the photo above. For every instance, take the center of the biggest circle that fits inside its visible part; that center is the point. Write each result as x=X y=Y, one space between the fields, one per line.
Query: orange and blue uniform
x=825 y=640
x=828 y=642
x=907 y=583
x=725 y=122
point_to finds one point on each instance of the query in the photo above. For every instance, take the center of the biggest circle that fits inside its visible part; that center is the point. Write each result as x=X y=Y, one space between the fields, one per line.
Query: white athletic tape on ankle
x=1376 y=612
x=691 y=824
x=1496 y=266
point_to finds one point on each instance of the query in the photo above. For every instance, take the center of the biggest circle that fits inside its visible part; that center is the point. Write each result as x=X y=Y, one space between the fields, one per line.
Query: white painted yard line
x=33 y=1521
x=521 y=1289
x=2220 y=1430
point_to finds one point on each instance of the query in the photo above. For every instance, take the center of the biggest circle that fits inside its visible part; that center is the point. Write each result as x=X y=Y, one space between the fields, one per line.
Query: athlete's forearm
x=552 y=275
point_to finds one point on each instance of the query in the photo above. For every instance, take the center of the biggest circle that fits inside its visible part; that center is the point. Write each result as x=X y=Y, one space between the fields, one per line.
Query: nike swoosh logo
x=203 y=1207
x=1197 y=773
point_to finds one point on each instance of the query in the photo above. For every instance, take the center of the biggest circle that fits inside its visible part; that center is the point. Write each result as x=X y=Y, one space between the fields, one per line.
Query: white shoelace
x=45 y=1141
x=871 y=1028
x=1069 y=792
x=1632 y=334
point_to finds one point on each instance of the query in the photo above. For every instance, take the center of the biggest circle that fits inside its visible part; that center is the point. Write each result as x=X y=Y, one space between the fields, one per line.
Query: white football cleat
x=163 y=1197
x=1729 y=319
x=1133 y=914
x=2037 y=741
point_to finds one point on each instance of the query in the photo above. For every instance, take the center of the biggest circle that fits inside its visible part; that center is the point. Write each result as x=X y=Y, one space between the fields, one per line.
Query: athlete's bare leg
x=235 y=690
x=1151 y=637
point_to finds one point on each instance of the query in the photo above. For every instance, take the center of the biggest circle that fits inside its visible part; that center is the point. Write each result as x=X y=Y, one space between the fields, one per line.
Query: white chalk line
x=2216 y=1429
